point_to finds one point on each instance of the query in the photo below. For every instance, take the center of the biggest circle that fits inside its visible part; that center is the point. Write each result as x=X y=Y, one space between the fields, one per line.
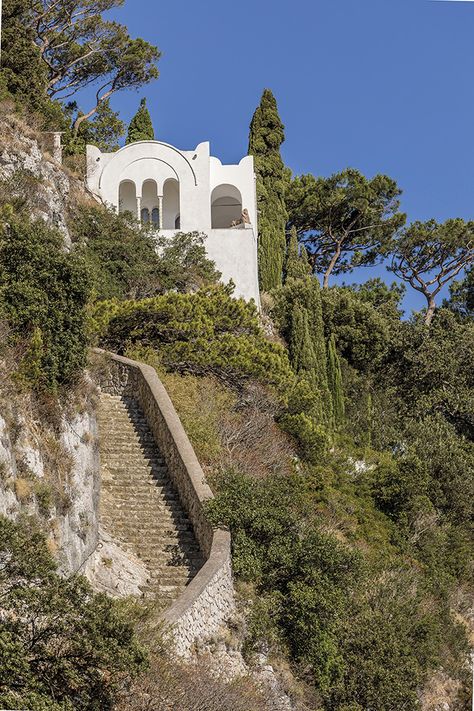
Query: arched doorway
x=171 y=206
x=150 y=203
x=226 y=206
x=128 y=197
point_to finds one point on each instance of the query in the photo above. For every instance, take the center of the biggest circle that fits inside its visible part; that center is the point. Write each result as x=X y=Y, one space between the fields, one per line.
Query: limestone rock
x=114 y=571
x=71 y=515
x=20 y=154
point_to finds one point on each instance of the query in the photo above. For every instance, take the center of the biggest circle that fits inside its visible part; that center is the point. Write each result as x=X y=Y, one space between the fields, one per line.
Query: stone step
x=156 y=536
x=151 y=498
x=122 y=459
x=140 y=480
x=139 y=506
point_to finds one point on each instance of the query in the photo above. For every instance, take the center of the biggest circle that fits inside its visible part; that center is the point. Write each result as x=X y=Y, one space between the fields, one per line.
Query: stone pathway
x=139 y=507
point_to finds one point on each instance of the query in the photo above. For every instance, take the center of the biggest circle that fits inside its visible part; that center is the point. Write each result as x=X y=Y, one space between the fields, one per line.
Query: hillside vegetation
x=337 y=435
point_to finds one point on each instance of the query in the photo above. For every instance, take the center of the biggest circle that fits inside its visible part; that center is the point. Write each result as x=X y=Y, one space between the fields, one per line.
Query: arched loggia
x=226 y=206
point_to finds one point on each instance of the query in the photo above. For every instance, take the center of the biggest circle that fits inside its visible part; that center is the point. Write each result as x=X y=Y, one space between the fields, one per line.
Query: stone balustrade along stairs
x=139 y=506
x=153 y=501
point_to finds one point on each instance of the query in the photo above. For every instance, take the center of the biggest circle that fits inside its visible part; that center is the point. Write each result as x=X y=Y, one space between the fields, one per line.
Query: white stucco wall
x=185 y=183
x=234 y=252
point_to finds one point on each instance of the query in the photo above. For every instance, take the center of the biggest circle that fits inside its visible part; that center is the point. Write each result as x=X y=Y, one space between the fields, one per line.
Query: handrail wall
x=208 y=600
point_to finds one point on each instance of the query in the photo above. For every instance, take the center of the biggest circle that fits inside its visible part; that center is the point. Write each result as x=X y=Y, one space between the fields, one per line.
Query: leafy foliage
x=345 y=220
x=297 y=265
x=309 y=415
x=184 y=265
x=79 y=49
x=307 y=574
x=462 y=295
x=128 y=261
x=362 y=332
x=428 y=256
x=298 y=311
x=266 y=137
x=433 y=370
x=388 y=643
x=43 y=296
x=61 y=646
x=335 y=383
x=53 y=50
x=104 y=131
x=205 y=332
x=23 y=74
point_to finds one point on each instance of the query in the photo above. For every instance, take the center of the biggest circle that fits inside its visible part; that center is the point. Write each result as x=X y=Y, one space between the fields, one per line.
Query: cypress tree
x=267 y=133
x=305 y=334
x=141 y=126
x=335 y=383
x=311 y=299
x=302 y=355
x=297 y=265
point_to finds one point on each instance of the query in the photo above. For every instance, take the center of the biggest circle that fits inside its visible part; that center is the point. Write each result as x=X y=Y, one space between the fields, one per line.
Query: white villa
x=186 y=191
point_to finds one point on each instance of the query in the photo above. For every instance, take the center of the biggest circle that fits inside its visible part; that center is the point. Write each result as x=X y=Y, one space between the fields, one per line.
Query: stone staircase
x=139 y=507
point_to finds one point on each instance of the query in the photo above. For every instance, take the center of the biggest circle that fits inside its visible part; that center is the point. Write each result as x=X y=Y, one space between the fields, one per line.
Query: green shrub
x=298 y=312
x=129 y=261
x=389 y=642
x=310 y=434
x=362 y=332
x=43 y=296
x=306 y=573
x=208 y=332
x=184 y=265
x=61 y=645
x=30 y=368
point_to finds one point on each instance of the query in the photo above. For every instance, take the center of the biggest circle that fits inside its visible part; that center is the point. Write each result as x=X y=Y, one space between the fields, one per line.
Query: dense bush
x=390 y=642
x=43 y=296
x=202 y=333
x=362 y=332
x=432 y=371
x=127 y=261
x=23 y=74
x=61 y=646
x=364 y=629
x=307 y=574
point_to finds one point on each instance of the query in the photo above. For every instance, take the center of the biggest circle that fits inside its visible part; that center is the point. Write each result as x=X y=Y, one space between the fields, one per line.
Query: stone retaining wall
x=208 y=600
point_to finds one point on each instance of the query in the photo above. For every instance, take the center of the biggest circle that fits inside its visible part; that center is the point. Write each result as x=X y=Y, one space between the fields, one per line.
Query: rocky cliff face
x=49 y=461
x=28 y=171
x=50 y=470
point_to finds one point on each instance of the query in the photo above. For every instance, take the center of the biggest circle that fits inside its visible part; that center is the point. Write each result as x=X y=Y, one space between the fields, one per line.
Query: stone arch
x=226 y=206
x=150 y=194
x=128 y=197
x=171 y=203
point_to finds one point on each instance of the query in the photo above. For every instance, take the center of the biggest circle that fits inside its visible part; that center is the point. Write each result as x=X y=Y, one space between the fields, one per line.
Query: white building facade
x=186 y=191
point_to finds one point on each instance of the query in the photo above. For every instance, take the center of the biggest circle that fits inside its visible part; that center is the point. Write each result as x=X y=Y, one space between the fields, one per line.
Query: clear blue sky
x=380 y=85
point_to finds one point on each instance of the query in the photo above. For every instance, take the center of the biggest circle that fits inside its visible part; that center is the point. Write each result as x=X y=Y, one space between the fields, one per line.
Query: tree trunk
x=86 y=117
x=331 y=266
x=430 y=312
x=80 y=119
